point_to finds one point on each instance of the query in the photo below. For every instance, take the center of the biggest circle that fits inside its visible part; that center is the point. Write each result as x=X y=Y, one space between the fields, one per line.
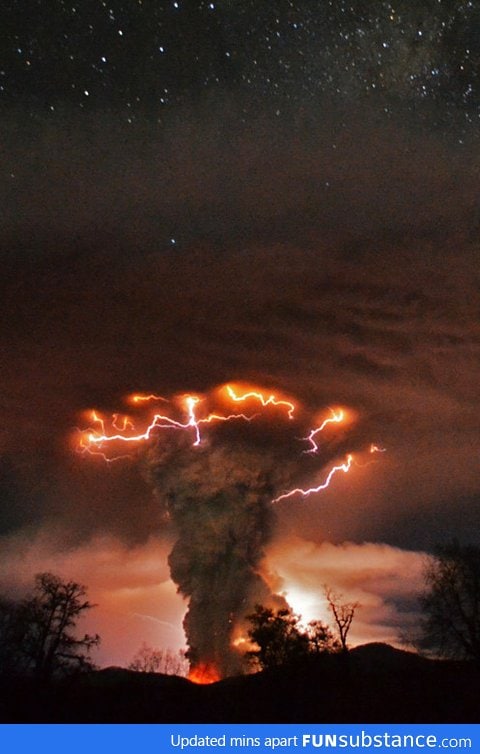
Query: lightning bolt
x=345 y=467
x=191 y=402
x=336 y=417
x=84 y=449
x=372 y=449
x=142 y=398
x=270 y=401
x=189 y=413
x=94 y=441
x=98 y=420
x=91 y=438
x=125 y=423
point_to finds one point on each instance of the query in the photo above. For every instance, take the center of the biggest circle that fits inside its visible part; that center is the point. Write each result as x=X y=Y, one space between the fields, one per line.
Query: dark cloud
x=335 y=263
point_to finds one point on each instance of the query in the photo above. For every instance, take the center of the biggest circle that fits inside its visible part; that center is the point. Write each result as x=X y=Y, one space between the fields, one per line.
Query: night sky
x=281 y=193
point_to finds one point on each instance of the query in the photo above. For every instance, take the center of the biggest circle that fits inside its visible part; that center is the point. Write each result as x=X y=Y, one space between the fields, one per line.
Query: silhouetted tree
x=39 y=630
x=321 y=638
x=152 y=660
x=343 y=613
x=278 y=637
x=451 y=602
x=12 y=634
x=281 y=639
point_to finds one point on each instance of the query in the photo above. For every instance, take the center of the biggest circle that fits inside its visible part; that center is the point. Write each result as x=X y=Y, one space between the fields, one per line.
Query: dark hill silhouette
x=377 y=655
x=372 y=683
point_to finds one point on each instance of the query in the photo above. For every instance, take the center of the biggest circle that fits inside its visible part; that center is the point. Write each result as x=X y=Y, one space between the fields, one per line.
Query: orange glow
x=106 y=436
x=93 y=441
x=240 y=641
x=270 y=401
x=204 y=673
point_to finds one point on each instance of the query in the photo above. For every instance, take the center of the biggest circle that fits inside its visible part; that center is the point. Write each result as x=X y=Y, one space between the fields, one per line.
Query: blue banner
x=263 y=739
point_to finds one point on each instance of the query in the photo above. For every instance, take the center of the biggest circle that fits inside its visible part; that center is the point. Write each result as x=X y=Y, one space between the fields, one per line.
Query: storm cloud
x=335 y=261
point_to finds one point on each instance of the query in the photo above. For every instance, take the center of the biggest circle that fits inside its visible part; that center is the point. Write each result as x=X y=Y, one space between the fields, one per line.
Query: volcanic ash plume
x=218 y=498
x=218 y=477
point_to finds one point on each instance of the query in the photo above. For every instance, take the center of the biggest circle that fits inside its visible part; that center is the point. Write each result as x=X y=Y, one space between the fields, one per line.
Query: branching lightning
x=92 y=441
x=95 y=440
x=226 y=471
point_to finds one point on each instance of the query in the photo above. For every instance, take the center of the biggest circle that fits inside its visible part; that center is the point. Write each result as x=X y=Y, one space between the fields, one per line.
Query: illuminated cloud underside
x=138 y=602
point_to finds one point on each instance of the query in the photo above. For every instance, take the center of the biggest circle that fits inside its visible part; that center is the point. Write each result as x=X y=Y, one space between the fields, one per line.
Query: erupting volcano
x=216 y=488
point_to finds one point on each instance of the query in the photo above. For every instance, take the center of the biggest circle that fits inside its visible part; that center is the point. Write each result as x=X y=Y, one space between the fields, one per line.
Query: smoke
x=217 y=497
x=218 y=493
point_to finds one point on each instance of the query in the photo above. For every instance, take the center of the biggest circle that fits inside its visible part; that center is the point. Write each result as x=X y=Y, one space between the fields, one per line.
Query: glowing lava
x=204 y=673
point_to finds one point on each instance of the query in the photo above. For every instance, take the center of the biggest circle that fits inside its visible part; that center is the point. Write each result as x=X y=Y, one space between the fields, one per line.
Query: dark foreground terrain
x=373 y=683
